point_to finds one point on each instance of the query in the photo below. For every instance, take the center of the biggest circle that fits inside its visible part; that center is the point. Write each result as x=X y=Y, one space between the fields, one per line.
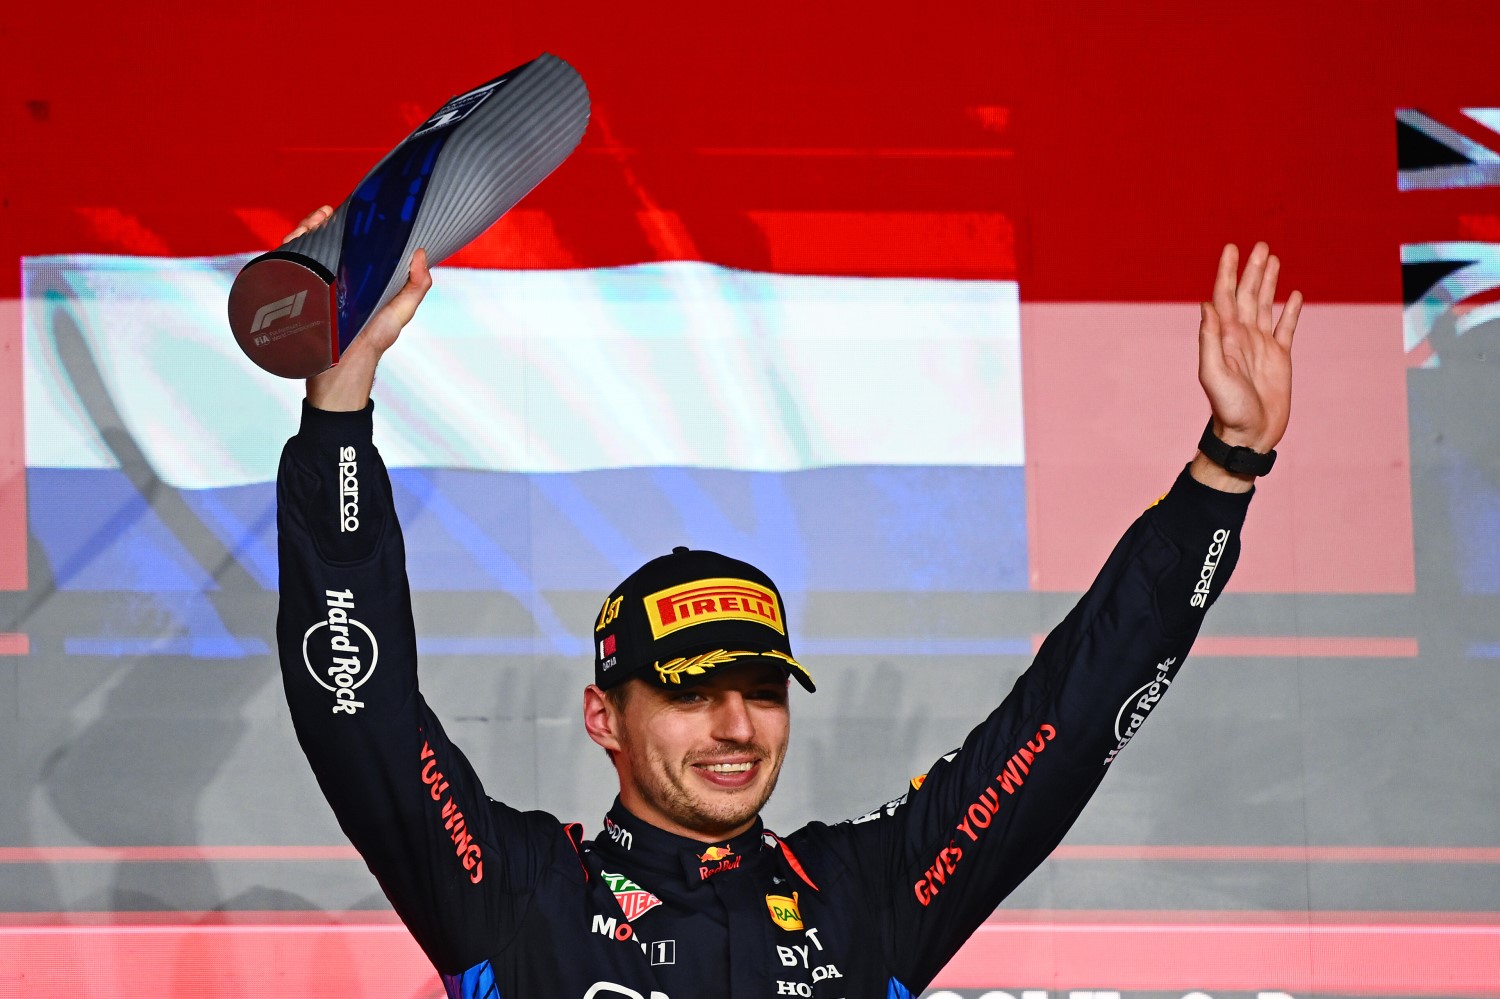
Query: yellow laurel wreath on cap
x=671 y=671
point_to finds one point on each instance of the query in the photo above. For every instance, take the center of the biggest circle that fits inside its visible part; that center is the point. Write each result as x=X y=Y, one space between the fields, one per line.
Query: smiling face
x=697 y=761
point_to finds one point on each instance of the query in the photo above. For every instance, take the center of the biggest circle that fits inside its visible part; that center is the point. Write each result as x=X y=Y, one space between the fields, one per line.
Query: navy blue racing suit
x=519 y=905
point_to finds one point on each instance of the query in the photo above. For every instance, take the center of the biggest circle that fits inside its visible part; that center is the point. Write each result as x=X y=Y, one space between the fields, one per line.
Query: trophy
x=296 y=309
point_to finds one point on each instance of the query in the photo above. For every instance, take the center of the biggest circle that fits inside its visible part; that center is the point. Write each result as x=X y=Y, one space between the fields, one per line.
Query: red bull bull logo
x=716 y=860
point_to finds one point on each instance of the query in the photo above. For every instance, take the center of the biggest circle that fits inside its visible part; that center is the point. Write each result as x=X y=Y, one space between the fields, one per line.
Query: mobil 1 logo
x=340 y=652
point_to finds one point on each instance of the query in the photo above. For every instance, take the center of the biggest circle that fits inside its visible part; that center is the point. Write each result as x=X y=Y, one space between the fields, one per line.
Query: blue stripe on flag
x=849 y=528
x=100 y=534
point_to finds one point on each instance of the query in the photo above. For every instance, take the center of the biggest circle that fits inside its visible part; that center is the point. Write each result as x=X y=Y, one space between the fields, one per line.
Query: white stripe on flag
x=682 y=364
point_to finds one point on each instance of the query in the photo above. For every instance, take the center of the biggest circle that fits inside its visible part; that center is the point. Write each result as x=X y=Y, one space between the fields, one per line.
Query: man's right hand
x=345 y=387
x=1245 y=361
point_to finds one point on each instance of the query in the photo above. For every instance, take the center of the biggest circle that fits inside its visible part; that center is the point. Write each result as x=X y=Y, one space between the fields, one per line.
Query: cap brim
x=687 y=671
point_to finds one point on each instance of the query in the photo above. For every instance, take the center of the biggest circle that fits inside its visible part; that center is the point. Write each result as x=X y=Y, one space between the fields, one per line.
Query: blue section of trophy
x=378 y=225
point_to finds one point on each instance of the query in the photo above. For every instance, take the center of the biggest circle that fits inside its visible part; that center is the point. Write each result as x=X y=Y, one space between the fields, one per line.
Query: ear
x=599 y=718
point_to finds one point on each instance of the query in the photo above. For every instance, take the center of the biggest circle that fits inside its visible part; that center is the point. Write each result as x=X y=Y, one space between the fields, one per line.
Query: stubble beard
x=669 y=787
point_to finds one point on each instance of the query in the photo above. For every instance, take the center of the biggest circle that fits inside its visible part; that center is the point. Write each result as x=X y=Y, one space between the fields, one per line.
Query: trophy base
x=284 y=314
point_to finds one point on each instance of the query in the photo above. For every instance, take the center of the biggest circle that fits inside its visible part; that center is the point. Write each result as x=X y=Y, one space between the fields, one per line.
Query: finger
x=1287 y=327
x=1265 y=316
x=1229 y=265
x=1210 y=340
x=314 y=219
x=419 y=278
x=1250 y=282
x=404 y=305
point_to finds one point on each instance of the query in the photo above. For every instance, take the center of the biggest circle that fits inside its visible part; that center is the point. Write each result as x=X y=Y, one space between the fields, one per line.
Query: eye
x=771 y=695
x=686 y=697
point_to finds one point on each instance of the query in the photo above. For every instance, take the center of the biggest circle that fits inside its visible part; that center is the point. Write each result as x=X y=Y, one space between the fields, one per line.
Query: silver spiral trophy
x=295 y=310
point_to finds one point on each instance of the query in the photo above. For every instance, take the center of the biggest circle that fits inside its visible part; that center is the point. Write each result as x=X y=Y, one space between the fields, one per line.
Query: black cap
x=677 y=618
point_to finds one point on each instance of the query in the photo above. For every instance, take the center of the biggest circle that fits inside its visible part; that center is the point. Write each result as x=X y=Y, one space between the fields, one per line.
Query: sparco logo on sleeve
x=1138 y=705
x=348 y=490
x=346 y=655
x=1210 y=566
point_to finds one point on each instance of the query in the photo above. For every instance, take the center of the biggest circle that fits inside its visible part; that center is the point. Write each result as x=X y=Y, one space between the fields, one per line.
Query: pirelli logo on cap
x=703 y=600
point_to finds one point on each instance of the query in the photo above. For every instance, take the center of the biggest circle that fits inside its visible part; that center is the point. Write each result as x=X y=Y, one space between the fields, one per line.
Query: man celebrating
x=685 y=894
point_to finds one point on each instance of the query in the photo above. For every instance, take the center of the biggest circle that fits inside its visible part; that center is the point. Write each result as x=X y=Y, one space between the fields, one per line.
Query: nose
x=731 y=718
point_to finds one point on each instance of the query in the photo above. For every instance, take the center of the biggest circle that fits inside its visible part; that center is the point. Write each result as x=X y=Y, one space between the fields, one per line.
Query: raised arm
x=455 y=866
x=939 y=859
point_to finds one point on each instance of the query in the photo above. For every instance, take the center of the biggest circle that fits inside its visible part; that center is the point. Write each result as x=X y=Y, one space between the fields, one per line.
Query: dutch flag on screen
x=551 y=430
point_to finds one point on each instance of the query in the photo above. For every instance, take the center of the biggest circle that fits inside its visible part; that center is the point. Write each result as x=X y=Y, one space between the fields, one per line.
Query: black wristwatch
x=1237 y=459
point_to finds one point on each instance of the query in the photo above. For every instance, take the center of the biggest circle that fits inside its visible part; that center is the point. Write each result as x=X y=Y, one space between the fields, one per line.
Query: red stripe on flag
x=122 y=231
x=269 y=227
x=1472 y=302
x=890 y=244
x=523 y=239
x=1483 y=228
x=860 y=152
x=1113 y=410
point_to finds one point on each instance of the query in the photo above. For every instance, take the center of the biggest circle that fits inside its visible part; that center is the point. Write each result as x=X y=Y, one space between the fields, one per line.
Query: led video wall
x=904 y=314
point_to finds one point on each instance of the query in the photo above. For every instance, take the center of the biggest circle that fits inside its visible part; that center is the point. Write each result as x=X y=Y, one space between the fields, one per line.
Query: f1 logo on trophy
x=296 y=309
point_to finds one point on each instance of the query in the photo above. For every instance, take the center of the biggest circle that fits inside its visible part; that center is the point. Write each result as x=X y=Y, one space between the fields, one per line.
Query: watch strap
x=1236 y=458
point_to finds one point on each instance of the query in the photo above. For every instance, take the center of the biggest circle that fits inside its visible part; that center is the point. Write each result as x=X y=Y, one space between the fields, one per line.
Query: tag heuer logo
x=634 y=900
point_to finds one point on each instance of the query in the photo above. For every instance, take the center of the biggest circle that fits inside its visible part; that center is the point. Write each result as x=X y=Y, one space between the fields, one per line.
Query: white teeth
x=728 y=768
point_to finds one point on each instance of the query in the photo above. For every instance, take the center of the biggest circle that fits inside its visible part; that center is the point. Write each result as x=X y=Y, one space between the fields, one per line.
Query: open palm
x=1245 y=353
